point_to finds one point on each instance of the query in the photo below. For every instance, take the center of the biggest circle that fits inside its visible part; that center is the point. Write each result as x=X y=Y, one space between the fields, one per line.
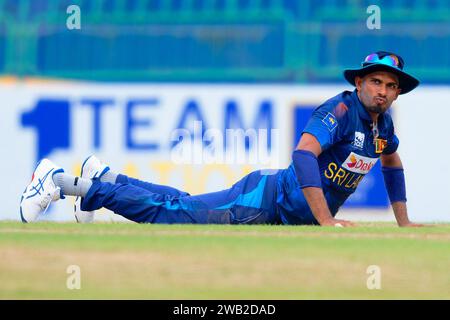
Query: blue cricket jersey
x=351 y=145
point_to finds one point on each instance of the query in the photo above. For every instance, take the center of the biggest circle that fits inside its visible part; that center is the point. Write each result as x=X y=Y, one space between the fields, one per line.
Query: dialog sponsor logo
x=359 y=164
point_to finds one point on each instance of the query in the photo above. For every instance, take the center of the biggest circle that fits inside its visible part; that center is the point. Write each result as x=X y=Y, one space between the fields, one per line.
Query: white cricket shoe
x=41 y=191
x=92 y=168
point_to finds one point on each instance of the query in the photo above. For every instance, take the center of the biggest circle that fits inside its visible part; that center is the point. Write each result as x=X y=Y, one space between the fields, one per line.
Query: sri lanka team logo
x=380 y=144
x=359 y=164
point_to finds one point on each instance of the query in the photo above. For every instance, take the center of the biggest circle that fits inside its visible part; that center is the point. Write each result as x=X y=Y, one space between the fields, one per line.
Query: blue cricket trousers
x=252 y=200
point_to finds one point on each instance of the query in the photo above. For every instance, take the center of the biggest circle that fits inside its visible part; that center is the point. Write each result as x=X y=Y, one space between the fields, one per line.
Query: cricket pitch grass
x=132 y=261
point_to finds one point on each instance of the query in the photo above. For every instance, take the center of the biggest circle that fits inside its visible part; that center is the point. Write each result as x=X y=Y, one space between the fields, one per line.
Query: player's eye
x=393 y=85
x=376 y=81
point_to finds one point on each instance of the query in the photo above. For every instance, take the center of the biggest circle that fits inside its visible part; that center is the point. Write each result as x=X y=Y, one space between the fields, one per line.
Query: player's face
x=378 y=90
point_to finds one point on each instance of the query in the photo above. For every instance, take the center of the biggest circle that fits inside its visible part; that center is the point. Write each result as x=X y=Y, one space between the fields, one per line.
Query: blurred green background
x=287 y=41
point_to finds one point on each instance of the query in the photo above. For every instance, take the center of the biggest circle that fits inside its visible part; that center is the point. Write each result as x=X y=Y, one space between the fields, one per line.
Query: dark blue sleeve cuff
x=394 y=180
x=306 y=168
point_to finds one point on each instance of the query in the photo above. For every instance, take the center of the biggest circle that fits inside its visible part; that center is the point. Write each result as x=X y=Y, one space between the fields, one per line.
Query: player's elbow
x=308 y=142
x=391 y=160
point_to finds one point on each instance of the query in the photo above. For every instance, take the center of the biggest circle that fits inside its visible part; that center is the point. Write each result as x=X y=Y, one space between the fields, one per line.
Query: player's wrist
x=403 y=222
x=325 y=219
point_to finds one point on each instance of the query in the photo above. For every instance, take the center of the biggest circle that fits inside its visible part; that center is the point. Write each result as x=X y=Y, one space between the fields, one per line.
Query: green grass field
x=131 y=261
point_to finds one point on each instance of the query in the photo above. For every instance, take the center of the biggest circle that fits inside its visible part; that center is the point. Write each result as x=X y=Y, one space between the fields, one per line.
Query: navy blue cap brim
x=406 y=82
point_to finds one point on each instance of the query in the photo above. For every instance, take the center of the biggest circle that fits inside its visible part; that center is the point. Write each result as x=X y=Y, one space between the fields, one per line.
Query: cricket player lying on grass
x=340 y=144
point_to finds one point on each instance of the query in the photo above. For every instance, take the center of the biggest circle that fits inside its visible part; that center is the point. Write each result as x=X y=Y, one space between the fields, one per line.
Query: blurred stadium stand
x=286 y=41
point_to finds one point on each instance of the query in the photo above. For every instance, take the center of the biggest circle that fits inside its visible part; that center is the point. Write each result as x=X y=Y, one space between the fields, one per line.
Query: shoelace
x=48 y=198
x=45 y=201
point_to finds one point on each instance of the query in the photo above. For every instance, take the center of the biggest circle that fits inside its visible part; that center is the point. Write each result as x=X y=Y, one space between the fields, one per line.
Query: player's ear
x=358 y=83
x=399 y=90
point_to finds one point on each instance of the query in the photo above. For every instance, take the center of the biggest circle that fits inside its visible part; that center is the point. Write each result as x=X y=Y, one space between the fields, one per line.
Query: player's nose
x=382 y=91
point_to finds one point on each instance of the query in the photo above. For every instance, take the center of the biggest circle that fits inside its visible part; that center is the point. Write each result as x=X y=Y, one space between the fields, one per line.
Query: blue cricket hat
x=384 y=61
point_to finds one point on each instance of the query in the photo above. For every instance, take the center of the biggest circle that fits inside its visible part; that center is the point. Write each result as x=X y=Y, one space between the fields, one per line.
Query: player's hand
x=337 y=223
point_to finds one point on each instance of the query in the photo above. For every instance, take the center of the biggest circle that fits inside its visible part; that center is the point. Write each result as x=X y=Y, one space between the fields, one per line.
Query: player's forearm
x=317 y=204
x=401 y=213
x=308 y=176
x=394 y=180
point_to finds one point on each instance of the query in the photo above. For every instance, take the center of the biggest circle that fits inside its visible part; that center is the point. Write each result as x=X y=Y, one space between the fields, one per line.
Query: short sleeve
x=392 y=144
x=392 y=139
x=326 y=124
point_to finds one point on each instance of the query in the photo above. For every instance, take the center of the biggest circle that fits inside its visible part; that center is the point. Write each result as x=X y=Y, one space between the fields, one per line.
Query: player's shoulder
x=387 y=118
x=388 y=123
x=340 y=106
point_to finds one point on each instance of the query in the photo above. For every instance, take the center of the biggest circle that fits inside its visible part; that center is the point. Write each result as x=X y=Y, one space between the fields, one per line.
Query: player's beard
x=376 y=109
